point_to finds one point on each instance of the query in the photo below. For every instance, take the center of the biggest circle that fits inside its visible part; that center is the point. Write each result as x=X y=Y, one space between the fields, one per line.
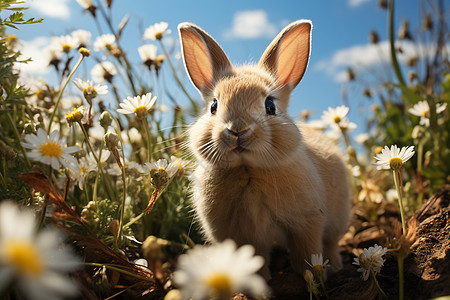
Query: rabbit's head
x=245 y=121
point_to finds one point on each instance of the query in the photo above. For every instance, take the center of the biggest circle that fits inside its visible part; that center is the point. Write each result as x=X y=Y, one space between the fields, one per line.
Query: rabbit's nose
x=238 y=134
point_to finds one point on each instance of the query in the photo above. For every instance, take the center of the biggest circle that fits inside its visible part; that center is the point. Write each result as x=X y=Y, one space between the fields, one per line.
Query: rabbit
x=260 y=179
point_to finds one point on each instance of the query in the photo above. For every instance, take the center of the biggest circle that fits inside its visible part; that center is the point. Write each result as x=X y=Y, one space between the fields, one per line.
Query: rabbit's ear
x=205 y=61
x=288 y=54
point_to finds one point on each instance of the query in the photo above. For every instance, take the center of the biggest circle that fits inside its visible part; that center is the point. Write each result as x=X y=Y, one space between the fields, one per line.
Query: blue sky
x=340 y=37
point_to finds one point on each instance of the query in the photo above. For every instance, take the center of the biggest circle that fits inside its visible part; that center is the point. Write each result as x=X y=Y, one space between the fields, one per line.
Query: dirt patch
x=426 y=268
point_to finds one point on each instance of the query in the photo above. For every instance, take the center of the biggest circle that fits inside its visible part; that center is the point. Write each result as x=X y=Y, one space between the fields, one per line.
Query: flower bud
x=105 y=120
x=111 y=140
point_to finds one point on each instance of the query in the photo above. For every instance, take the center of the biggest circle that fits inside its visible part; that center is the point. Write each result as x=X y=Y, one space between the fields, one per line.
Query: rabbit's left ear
x=288 y=54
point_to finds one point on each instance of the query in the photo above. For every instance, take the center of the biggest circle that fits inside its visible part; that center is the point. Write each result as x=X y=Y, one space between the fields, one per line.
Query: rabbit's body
x=261 y=179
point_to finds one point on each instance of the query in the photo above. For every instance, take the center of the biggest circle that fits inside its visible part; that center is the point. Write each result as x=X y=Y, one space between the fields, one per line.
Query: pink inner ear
x=196 y=58
x=293 y=54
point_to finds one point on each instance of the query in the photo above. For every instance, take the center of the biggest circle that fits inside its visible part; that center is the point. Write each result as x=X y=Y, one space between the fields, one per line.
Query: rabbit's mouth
x=239 y=149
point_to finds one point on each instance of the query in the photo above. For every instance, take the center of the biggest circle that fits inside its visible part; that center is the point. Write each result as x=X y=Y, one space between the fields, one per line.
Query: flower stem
x=61 y=92
x=194 y=104
x=400 y=199
x=374 y=277
x=394 y=60
x=17 y=136
x=99 y=164
x=107 y=266
x=122 y=208
x=149 y=141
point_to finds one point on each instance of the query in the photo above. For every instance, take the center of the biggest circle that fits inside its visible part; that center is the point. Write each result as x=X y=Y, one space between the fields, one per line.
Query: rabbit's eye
x=270 y=106
x=214 y=107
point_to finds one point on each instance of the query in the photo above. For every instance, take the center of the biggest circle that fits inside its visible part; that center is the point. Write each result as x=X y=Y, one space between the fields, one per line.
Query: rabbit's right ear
x=205 y=61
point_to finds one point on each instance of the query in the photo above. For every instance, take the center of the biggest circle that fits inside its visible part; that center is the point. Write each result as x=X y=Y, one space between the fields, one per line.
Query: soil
x=426 y=264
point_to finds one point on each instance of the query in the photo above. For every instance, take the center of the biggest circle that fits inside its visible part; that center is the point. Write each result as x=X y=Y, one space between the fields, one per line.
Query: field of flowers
x=95 y=190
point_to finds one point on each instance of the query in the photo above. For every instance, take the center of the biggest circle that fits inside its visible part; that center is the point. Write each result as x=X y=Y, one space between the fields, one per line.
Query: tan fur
x=289 y=185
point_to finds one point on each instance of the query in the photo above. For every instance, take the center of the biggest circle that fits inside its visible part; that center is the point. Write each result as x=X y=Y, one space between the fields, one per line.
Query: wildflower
x=112 y=142
x=82 y=37
x=311 y=285
x=105 y=120
x=393 y=158
x=317 y=262
x=132 y=136
x=85 y=52
x=335 y=115
x=371 y=260
x=34 y=261
x=139 y=105
x=85 y=3
x=161 y=172
x=147 y=53
x=104 y=42
x=103 y=71
x=362 y=138
x=422 y=110
x=79 y=172
x=54 y=55
x=89 y=90
x=77 y=115
x=220 y=271
x=103 y=158
x=156 y=31
x=65 y=42
x=49 y=149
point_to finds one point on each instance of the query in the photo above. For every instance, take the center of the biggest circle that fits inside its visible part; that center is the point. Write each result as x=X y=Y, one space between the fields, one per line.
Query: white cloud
x=52 y=8
x=355 y=3
x=368 y=58
x=34 y=49
x=251 y=24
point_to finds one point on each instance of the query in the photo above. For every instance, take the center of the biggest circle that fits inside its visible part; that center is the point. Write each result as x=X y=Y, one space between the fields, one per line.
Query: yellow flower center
x=83 y=170
x=395 y=163
x=51 y=149
x=141 y=111
x=425 y=113
x=66 y=48
x=158 y=35
x=24 y=257
x=337 y=119
x=221 y=283
x=40 y=94
x=76 y=115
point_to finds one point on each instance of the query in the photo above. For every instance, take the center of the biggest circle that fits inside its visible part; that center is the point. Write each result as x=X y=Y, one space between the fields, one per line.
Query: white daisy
x=362 y=138
x=131 y=136
x=104 y=42
x=35 y=262
x=393 y=158
x=139 y=105
x=220 y=271
x=92 y=163
x=147 y=52
x=317 y=262
x=65 y=42
x=161 y=165
x=156 y=31
x=89 y=90
x=49 y=150
x=53 y=53
x=335 y=115
x=78 y=114
x=103 y=71
x=370 y=260
x=422 y=110
x=82 y=37
x=79 y=172
x=85 y=3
